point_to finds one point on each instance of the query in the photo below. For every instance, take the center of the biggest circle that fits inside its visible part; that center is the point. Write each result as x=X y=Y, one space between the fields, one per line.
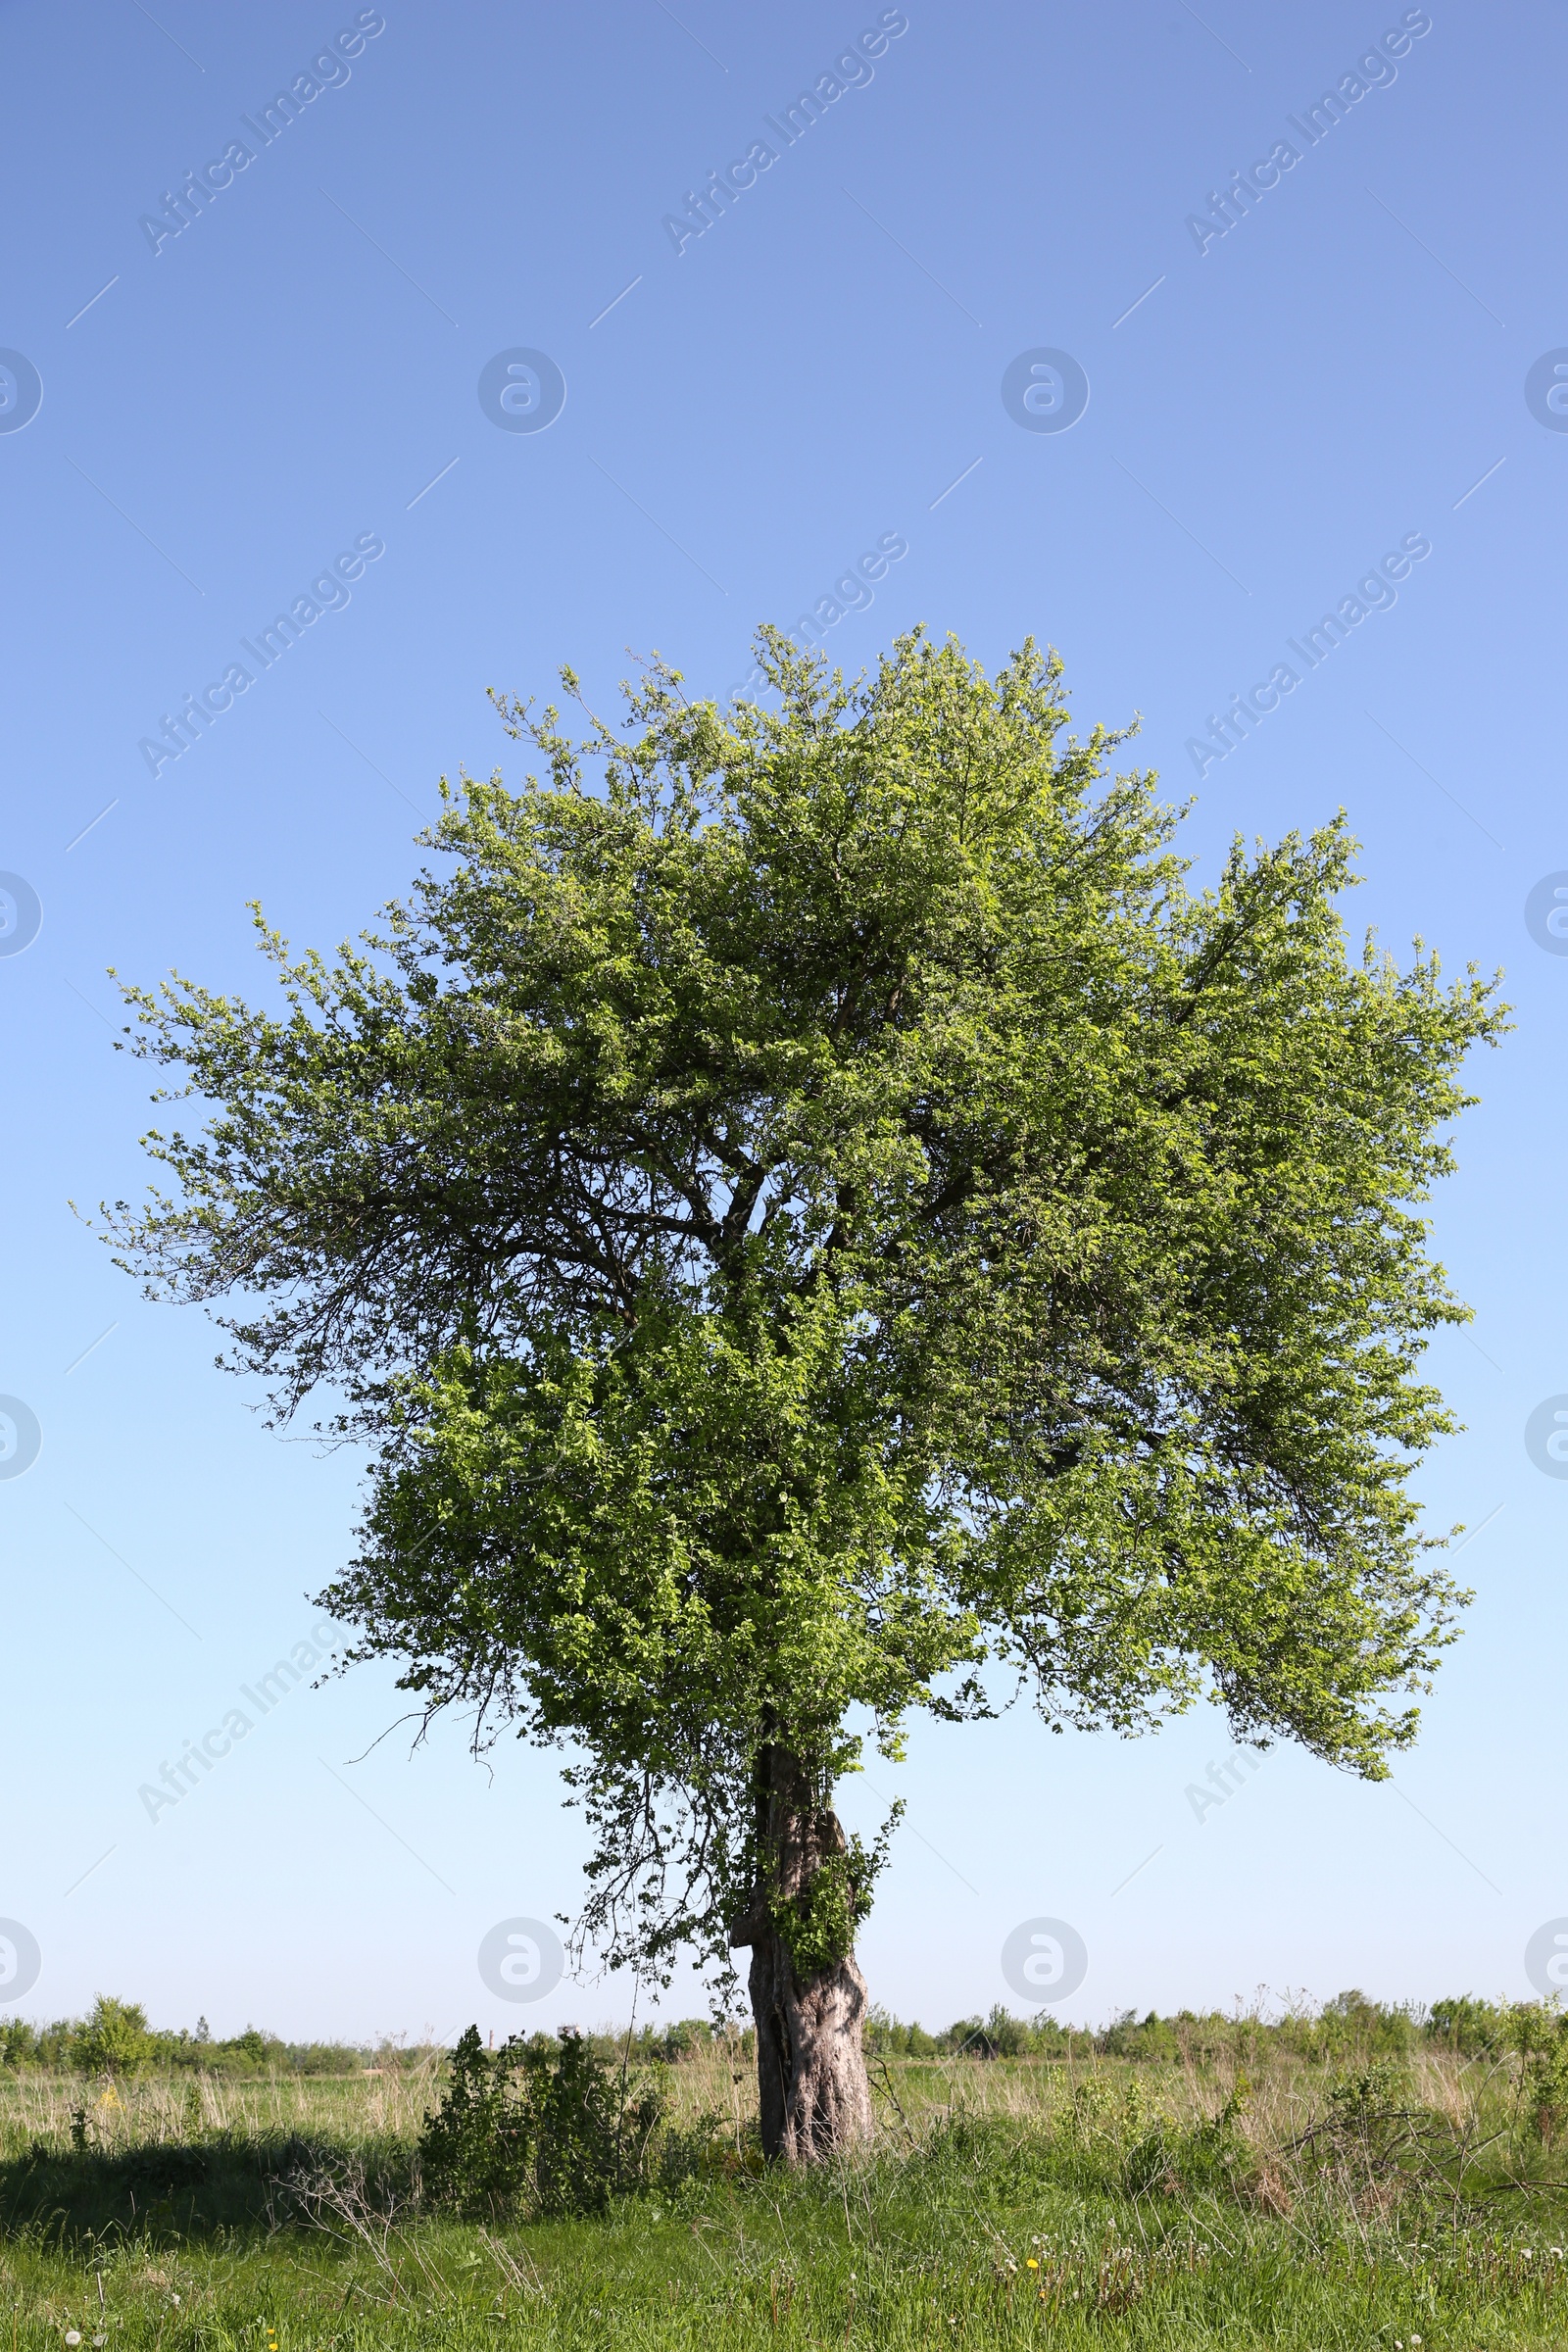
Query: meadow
x=1355 y=2180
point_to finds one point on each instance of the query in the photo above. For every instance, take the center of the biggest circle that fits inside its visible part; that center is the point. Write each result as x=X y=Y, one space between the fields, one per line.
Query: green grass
x=1428 y=2210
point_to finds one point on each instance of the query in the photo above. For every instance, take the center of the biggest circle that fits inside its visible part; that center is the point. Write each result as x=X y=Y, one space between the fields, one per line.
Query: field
x=1072 y=2202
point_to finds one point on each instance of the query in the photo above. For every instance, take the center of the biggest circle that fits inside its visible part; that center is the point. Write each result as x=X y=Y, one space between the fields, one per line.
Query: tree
x=114 y=2039
x=812 y=1214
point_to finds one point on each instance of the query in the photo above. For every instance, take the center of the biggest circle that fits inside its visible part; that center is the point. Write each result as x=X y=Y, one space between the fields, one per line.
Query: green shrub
x=670 y=2044
x=115 y=2040
x=1475 y=2028
x=540 y=2126
x=474 y=2150
x=1208 y=2158
x=1353 y=2026
x=1540 y=2034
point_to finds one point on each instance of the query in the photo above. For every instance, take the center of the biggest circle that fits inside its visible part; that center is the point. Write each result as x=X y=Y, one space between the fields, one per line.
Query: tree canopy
x=817 y=1221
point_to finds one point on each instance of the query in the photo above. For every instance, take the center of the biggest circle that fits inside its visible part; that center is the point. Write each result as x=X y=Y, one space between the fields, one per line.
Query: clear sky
x=1276 y=402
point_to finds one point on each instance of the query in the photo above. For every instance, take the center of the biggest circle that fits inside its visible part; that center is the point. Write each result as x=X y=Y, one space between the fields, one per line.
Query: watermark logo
x=21 y=391
x=521 y=1960
x=1547 y=1959
x=1375 y=69
x=850 y=593
x=852 y=69
x=1546 y=1436
x=328 y=71
x=20 y=1960
x=19 y=1437
x=1546 y=390
x=196 y=1758
x=1045 y=1960
x=1375 y=593
x=1225 y=1780
x=521 y=390
x=329 y=593
x=1545 y=913
x=1044 y=390
x=21 y=914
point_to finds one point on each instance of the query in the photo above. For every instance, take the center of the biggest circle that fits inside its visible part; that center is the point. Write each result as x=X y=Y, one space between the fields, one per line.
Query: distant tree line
x=1348 y=2027
x=115 y=2040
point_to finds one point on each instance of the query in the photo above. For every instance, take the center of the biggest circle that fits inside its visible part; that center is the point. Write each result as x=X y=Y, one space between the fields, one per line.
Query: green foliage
x=1347 y=2032
x=474 y=2151
x=1149 y=2037
x=546 y=2128
x=1350 y=2022
x=885 y=2035
x=1098 y=2224
x=686 y=2035
x=1355 y=2103
x=593 y=2132
x=1539 y=2032
x=989 y=2236
x=1467 y=2025
x=1209 y=2158
x=999 y=2035
x=85 y=2043
x=808 y=1205
x=818 y=1922
x=115 y=2040
x=1006 y=2036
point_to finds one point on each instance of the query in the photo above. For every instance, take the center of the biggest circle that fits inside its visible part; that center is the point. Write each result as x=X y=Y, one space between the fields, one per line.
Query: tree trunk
x=812 y=2090
x=810 y=2069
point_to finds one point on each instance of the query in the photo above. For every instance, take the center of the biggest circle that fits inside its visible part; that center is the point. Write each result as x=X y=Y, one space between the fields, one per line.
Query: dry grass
x=356 y=2108
x=717 y=2083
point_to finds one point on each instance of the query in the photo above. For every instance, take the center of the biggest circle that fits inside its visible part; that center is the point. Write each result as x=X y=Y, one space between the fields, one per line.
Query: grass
x=1075 y=2204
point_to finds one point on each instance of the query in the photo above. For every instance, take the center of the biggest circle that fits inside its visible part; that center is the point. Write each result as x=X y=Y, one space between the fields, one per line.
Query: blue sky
x=295 y=375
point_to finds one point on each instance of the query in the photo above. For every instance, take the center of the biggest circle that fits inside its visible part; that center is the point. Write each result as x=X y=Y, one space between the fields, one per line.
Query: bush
x=888 y=2036
x=1361 y=2101
x=1352 y=2024
x=115 y=2040
x=1475 y=2028
x=1209 y=2158
x=1540 y=2037
x=474 y=2150
x=540 y=2127
x=668 y=2046
x=1150 y=2038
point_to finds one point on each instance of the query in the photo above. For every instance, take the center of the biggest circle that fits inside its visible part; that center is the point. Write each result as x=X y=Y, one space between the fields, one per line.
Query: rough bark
x=812 y=2090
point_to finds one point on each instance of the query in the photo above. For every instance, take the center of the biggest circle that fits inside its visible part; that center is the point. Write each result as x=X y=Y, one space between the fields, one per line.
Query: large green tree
x=813 y=1217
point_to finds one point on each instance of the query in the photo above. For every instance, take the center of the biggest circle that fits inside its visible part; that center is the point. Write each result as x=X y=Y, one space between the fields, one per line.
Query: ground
x=1108 y=2203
